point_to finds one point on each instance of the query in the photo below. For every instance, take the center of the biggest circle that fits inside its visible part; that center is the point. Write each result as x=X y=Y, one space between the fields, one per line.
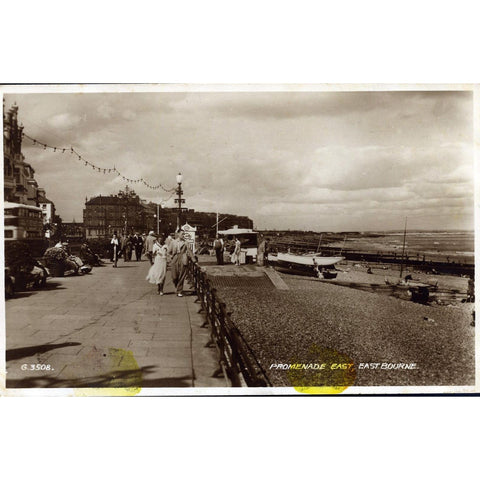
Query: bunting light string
x=169 y=197
x=97 y=168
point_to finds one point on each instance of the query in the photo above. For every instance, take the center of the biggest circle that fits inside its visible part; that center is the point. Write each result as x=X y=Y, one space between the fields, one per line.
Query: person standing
x=261 y=252
x=471 y=289
x=148 y=246
x=137 y=242
x=114 y=248
x=236 y=252
x=181 y=252
x=158 y=270
x=266 y=252
x=219 y=247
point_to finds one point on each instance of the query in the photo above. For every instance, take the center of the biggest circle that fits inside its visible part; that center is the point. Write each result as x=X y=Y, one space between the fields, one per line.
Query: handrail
x=236 y=362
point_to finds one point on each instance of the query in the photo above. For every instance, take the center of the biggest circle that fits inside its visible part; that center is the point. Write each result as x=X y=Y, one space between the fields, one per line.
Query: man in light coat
x=148 y=246
x=181 y=252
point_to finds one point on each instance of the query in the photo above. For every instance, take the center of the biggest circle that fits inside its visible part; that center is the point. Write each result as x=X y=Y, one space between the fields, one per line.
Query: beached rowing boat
x=309 y=259
x=311 y=264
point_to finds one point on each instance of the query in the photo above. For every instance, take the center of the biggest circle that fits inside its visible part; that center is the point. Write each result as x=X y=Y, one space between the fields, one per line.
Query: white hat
x=151 y=232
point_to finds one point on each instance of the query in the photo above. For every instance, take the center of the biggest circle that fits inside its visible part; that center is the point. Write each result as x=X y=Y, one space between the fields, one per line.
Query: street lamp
x=179 y=200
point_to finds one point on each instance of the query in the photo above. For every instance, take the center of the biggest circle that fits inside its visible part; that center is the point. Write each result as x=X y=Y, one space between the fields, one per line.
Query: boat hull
x=308 y=260
x=307 y=265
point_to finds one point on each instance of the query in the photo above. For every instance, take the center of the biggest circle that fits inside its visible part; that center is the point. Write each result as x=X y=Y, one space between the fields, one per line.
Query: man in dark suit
x=137 y=241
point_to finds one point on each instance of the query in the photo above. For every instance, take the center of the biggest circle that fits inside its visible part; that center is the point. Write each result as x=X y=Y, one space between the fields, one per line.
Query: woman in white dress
x=158 y=270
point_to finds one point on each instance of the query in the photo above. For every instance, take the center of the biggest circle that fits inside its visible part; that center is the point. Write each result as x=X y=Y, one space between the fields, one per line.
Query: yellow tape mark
x=331 y=372
x=125 y=373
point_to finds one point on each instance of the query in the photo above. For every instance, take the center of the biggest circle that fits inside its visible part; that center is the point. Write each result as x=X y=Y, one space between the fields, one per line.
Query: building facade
x=47 y=206
x=19 y=183
x=121 y=213
x=127 y=213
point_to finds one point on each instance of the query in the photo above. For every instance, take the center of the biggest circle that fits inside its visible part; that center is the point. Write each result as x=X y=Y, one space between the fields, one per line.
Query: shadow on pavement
x=53 y=286
x=115 y=379
x=21 y=295
x=33 y=291
x=17 y=353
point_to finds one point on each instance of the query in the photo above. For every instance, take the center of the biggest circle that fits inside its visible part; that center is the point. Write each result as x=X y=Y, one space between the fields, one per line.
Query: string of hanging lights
x=97 y=168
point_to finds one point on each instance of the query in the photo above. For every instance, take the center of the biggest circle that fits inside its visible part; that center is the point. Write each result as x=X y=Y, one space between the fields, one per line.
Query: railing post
x=234 y=360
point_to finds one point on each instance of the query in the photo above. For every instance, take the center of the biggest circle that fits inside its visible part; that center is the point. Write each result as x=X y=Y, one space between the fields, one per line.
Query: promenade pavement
x=107 y=329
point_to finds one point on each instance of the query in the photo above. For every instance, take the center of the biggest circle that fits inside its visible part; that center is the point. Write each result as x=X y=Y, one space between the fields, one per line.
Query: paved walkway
x=107 y=329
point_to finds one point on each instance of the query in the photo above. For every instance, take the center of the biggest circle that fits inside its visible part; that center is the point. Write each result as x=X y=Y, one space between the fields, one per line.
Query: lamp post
x=179 y=199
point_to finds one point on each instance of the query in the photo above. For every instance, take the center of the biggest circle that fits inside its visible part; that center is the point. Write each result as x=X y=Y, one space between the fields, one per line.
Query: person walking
x=218 y=246
x=126 y=247
x=114 y=249
x=130 y=247
x=168 y=240
x=181 y=252
x=158 y=270
x=148 y=246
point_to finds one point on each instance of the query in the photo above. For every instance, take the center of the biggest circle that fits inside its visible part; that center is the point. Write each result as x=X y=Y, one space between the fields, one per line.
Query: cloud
x=329 y=160
x=64 y=121
x=372 y=167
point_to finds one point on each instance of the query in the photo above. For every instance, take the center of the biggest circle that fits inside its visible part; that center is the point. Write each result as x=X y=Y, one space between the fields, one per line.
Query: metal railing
x=235 y=359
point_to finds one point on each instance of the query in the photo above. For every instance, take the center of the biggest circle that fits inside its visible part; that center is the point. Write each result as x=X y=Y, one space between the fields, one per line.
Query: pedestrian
x=126 y=247
x=267 y=251
x=219 y=247
x=171 y=245
x=114 y=249
x=236 y=252
x=137 y=243
x=471 y=289
x=168 y=240
x=261 y=252
x=181 y=252
x=130 y=247
x=148 y=246
x=158 y=270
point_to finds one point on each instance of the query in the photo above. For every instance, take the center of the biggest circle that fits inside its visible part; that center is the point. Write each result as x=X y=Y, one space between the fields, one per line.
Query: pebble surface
x=283 y=326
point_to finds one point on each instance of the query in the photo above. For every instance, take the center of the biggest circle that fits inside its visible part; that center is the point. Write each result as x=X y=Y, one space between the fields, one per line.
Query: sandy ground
x=357 y=272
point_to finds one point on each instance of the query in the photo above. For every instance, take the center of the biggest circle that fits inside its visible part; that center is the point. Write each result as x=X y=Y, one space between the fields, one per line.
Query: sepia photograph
x=238 y=240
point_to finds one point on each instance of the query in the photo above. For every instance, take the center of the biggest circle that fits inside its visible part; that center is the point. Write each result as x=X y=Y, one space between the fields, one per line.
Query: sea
x=455 y=246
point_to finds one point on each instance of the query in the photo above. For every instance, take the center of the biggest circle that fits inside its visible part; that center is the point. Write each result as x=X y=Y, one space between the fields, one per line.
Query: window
x=8 y=233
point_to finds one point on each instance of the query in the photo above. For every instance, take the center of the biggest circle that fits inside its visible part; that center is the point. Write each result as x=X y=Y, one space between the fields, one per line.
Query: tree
x=58 y=229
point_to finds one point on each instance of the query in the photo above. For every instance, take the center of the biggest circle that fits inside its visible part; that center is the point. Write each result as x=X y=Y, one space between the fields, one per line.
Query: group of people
x=72 y=262
x=178 y=252
x=160 y=251
x=125 y=246
x=219 y=247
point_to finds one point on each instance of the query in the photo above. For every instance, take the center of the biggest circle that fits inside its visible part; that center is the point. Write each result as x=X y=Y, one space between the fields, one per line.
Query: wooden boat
x=312 y=264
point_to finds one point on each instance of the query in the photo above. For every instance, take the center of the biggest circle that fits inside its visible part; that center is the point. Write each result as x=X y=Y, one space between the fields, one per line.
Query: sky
x=322 y=161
